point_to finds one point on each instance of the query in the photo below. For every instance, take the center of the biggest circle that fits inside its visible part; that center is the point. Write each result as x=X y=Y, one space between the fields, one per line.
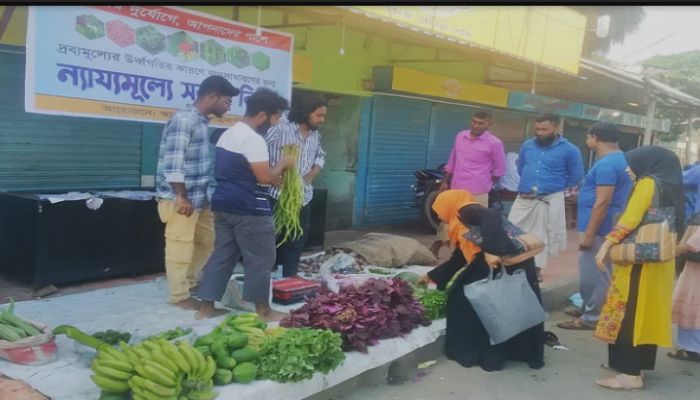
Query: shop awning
x=354 y=18
x=443 y=40
x=661 y=92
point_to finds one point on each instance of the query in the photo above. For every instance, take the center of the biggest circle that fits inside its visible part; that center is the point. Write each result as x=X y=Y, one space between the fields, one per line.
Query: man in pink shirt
x=477 y=161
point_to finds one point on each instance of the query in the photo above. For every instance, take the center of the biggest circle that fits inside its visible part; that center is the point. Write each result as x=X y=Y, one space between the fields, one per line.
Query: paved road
x=567 y=375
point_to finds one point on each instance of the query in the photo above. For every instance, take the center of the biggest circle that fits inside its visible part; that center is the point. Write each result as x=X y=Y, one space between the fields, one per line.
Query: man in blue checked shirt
x=182 y=181
x=307 y=114
x=548 y=165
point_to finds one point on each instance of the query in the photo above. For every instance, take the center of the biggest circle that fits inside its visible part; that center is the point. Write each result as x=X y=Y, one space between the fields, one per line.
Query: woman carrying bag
x=636 y=317
x=467 y=341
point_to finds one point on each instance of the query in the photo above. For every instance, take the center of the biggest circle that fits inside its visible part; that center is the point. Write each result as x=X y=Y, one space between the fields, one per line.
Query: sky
x=661 y=21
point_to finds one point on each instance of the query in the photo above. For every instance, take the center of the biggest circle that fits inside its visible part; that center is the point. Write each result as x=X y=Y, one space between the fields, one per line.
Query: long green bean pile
x=288 y=207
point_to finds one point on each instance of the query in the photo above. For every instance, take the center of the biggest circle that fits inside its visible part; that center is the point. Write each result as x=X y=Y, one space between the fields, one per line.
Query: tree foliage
x=682 y=72
x=624 y=21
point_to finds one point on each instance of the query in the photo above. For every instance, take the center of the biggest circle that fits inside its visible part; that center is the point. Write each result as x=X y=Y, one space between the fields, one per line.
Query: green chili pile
x=289 y=204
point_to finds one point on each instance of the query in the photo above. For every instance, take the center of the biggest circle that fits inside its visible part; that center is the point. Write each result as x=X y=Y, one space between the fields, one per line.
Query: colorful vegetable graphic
x=149 y=39
x=238 y=57
x=260 y=60
x=182 y=46
x=120 y=33
x=89 y=26
x=212 y=52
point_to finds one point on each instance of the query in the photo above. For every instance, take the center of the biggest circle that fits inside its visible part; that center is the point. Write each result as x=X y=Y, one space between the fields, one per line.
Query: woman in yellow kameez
x=636 y=317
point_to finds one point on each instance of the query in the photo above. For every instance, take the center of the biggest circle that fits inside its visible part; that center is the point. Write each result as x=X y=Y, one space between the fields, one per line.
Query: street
x=567 y=375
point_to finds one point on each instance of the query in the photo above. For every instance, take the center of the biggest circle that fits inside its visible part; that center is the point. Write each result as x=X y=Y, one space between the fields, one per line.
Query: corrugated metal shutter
x=510 y=128
x=47 y=153
x=398 y=147
x=447 y=121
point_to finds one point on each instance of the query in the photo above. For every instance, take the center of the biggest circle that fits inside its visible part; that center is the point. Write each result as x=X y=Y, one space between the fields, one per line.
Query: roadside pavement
x=567 y=375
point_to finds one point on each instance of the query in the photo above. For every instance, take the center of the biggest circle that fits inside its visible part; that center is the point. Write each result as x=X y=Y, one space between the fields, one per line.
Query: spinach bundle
x=298 y=354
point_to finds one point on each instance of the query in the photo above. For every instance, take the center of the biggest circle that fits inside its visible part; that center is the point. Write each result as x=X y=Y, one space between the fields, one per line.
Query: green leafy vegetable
x=434 y=302
x=298 y=354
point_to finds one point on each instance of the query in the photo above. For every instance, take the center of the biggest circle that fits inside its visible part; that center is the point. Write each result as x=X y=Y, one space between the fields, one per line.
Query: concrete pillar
x=651 y=108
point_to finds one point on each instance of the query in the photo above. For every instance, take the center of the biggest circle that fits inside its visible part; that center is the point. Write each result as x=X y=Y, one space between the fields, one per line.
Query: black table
x=43 y=243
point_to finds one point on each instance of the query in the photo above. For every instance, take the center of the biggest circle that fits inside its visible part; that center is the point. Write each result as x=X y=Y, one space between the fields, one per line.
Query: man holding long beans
x=307 y=114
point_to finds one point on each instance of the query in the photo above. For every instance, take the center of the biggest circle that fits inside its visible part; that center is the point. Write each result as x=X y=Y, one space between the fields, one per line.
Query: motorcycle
x=427 y=188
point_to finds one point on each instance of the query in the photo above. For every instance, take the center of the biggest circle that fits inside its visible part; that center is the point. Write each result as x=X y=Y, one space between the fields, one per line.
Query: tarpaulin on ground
x=142 y=310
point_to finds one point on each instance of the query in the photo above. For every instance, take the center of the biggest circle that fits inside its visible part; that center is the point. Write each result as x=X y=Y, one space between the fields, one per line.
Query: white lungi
x=544 y=217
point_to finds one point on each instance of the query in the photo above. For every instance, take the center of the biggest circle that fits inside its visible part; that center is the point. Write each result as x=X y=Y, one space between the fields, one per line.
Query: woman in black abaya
x=467 y=342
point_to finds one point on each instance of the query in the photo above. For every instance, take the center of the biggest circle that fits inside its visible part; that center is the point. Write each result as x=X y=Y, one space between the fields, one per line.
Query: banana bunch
x=112 y=370
x=156 y=370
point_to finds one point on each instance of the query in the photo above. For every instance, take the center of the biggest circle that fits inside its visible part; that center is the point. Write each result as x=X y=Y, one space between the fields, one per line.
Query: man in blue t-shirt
x=242 y=218
x=604 y=193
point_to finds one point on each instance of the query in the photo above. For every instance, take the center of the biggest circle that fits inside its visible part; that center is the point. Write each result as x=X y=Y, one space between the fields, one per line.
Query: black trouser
x=289 y=252
x=623 y=356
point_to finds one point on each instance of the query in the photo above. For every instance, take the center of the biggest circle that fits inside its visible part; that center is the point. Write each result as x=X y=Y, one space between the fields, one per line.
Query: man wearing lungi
x=548 y=165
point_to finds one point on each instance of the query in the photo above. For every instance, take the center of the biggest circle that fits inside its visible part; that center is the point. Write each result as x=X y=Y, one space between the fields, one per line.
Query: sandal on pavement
x=612 y=383
x=573 y=311
x=684 y=355
x=576 y=324
x=550 y=339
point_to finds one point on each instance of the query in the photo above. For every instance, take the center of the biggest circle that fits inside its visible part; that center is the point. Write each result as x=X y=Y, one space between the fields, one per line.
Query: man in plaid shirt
x=182 y=181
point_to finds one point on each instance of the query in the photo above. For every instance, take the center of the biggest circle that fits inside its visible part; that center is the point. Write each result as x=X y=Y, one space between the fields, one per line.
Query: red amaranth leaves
x=377 y=309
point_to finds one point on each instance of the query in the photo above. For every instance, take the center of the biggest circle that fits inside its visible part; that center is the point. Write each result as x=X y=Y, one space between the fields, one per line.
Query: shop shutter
x=398 y=147
x=447 y=121
x=628 y=141
x=53 y=153
x=510 y=128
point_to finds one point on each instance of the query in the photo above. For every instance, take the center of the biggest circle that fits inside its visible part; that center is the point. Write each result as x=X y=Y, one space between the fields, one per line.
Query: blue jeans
x=289 y=253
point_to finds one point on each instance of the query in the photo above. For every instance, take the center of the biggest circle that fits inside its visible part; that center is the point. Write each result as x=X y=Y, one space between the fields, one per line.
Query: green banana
x=161 y=359
x=114 y=353
x=143 y=353
x=148 y=395
x=170 y=374
x=246 y=315
x=151 y=346
x=191 y=359
x=201 y=361
x=178 y=359
x=110 y=385
x=165 y=345
x=209 y=371
x=156 y=376
x=135 y=388
x=134 y=358
x=111 y=373
x=202 y=395
x=153 y=387
x=125 y=347
x=118 y=365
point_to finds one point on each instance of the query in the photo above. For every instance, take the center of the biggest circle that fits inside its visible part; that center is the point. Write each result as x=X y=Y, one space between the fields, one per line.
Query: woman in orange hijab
x=467 y=341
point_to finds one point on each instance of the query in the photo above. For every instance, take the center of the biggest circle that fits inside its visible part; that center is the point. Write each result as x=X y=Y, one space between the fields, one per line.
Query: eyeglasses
x=228 y=102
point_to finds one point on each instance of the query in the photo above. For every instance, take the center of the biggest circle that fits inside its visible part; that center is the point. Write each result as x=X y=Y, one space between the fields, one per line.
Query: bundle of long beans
x=289 y=205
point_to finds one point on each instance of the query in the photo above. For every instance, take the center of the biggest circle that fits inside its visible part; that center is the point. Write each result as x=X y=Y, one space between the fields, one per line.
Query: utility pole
x=651 y=109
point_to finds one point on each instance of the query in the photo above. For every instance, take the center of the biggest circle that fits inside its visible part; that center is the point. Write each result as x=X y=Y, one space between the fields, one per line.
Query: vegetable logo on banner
x=143 y=63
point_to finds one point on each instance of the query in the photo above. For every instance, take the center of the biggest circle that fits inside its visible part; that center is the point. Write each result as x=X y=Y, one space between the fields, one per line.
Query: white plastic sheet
x=141 y=309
